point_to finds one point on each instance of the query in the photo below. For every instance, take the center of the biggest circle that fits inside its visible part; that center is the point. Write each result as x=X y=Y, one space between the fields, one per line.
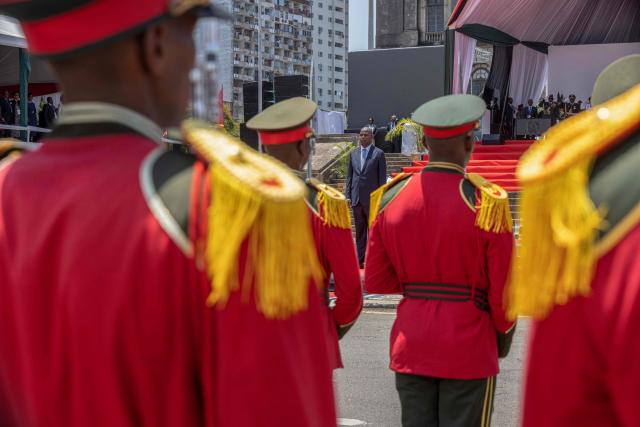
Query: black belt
x=447 y=292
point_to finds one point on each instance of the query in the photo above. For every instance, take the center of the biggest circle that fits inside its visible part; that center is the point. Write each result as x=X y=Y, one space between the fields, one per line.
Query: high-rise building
x=330 y=40
x=407 y=23
x=285 y=27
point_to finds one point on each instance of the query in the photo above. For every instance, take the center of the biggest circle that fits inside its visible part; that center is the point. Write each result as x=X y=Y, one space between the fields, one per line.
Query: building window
x=319 y=91
x=435 y=16
x=478 y=80
x=320 y=17
x=319 y=30
x=320 y=67
x=320 y=55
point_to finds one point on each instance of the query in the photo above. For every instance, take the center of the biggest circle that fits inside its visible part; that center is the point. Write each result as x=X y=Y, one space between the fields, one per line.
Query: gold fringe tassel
x=375 y=200
x=281 y=256
x=334 y=212
x=556 y=252
x=494 y=214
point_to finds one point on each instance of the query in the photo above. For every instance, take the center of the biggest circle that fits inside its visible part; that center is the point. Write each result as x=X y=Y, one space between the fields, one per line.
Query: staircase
x=497 y=163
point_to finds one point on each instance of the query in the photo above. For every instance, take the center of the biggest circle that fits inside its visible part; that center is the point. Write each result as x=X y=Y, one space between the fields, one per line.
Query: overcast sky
x=358 y=23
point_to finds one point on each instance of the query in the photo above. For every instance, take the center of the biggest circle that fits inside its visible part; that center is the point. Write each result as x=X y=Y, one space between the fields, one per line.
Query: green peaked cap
x=617 y=78
x=292 y=113
x=450 y=111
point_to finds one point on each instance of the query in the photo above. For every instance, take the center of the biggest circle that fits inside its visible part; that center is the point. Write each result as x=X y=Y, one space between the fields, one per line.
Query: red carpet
x=497 y=163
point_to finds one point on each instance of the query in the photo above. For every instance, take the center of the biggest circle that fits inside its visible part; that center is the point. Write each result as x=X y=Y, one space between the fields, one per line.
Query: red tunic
x=583 y=365
x=103 y=319
x=337 y=255
x=427 y=233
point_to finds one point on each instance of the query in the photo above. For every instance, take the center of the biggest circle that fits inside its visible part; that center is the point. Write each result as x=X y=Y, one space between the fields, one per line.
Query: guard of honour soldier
x=215 y=311
x=285 y=133
x=443 y=239
x=141 y=286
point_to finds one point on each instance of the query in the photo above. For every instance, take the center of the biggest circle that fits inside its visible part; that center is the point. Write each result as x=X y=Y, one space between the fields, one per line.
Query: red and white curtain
x=529 y=74
x=464 y=53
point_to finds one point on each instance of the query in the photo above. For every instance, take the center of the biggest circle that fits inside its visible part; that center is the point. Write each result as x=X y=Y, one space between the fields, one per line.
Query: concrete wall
x=393 y=81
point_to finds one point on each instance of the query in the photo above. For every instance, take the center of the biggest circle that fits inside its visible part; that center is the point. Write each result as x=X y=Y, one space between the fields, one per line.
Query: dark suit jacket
x=530 y=111
x=5 y=110
x=362 y=181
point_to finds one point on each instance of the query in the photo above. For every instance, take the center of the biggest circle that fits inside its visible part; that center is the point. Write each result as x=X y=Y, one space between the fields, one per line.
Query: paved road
x=365 y=389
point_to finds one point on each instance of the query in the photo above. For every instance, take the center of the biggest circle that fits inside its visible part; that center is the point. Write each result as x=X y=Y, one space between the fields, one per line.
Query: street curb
x=380 y=305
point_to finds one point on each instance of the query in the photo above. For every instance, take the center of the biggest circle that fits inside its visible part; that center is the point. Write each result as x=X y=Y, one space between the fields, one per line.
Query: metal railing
x=27 y=129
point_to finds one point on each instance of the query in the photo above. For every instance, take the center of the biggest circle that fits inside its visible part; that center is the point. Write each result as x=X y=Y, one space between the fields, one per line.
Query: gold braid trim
x=332 y=205
x=375 y=199
x=255 y=198
x=557 y=253
x=493 y=212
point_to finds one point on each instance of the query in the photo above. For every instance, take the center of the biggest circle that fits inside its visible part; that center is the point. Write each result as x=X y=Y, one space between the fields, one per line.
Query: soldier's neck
x=447 y=159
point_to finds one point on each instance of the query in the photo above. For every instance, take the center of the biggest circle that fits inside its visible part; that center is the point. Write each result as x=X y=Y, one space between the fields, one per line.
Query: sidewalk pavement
x=374 y=301
x=381 y=301
x=371 y=301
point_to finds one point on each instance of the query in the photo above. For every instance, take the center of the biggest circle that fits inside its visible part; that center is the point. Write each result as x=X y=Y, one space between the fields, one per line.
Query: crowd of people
x=553 y=108
x=43 y=115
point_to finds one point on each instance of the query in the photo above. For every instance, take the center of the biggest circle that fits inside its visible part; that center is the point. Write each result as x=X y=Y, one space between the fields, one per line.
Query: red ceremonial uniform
x=103 y=316
x=426 y=234
x=337 y=255
x=583 y=361
x=582 y=367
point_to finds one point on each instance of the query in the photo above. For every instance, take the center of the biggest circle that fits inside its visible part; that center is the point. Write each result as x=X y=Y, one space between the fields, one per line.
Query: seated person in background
x=520 y=112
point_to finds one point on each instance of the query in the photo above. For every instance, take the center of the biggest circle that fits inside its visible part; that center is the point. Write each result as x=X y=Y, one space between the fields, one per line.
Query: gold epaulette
x=13 y=148
x=492 y=211
x=329 y=204
x=560 y=222
x=376 y=202
x=256 y=199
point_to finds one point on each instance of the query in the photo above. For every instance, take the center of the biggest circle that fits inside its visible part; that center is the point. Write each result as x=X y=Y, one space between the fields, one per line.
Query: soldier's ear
x=469 y=142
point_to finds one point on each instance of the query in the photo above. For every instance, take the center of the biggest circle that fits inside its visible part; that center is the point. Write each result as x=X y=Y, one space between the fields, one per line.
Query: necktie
x=363 y=157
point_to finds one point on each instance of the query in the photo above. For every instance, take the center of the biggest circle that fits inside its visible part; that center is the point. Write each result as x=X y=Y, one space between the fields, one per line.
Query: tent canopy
x=552 y=23
x=11 y=41
x=11 y=33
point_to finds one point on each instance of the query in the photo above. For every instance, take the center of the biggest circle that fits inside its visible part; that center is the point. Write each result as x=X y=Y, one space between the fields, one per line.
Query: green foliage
x=342 y=165
x=231 y=126
x=396 y=132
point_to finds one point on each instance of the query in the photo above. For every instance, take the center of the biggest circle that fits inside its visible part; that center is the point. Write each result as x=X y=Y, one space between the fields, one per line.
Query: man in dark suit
x=397 y=141
x=530 y=111
x=5 y=113
x=49 y=114
x=367 y=171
